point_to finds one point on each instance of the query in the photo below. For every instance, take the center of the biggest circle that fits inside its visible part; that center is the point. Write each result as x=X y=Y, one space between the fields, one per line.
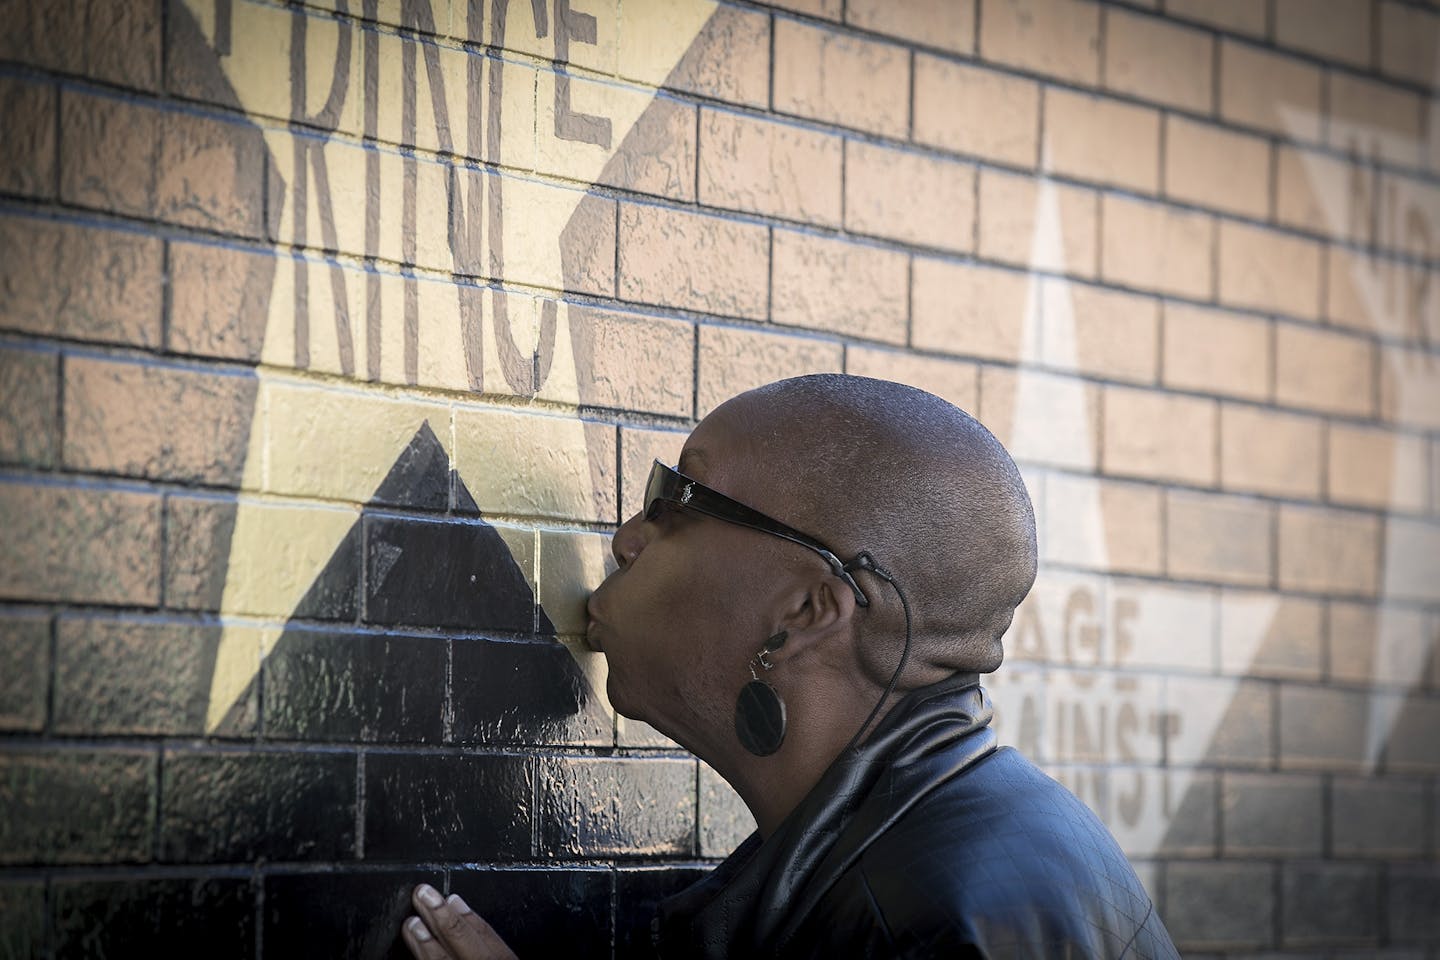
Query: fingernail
x=459 y=905
x=430 y=896
x=419 y=930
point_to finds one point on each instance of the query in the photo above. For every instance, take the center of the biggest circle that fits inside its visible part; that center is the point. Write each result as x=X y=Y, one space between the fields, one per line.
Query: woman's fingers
x=454 y=930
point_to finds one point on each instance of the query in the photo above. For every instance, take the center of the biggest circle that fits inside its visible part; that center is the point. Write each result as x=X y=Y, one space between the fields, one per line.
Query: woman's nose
x=629 y=540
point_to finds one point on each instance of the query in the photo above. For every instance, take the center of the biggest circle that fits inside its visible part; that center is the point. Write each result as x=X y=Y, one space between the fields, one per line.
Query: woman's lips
x=591 y=640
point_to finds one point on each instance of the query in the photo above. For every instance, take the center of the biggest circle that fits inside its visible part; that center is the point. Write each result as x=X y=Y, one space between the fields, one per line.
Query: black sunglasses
x=671 y=486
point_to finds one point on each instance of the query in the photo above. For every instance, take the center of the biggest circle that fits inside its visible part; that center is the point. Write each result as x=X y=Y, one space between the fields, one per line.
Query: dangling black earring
x=760 y=713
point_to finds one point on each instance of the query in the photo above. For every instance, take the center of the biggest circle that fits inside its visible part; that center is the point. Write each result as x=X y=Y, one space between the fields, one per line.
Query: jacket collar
x=755 y=900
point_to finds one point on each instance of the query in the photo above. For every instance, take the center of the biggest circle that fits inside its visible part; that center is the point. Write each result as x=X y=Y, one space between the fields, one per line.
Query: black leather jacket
x=927 y=841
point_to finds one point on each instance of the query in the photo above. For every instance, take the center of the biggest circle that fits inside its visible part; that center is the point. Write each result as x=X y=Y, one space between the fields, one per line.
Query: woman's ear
x=815 y=611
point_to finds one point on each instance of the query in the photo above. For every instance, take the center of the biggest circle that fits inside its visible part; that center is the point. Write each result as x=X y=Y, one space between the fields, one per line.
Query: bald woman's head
x=871 y=465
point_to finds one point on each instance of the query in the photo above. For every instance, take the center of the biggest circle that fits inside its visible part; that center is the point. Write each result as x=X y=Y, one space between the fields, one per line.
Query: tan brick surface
x=949 y=24
x=1102 y=524
x=1167 y=627
x=1150 y=58
x=696 y=262
x=773 y=168
x=1042 y=418
x=537 y=466
x=1409 y=387
x=1409 y=37
x=1419 y=199
x=1102 y=140
x=842 y=79
x=1239 y=16
x=1376 y=644
x=27 y=112
x=1044 y=226
x=210 y=175
x=1265 y=635
x=1374 y=295
x=1313 y=192
x=572 y=564
x=1370 y=117
x=1266 y=451
x=109 y=152
x=629 y=362
x=1328 y=551
x=1162 y=437
x=1332 y=29
x=1060 y=38
x=976 y=111
x=968 y=309
x=1265 y=270
x=1213 y=167
x=1104 y=333
x=829 y=9
x=1218 y=538
x=115 y=42
x=909 y=197
x=1321 y=370
x=1214 y=351
x=639 y=448
x=954 y=380
x=1270 y=90
x=1156 y=247
x=159 y=422
x=29 y=407
x=79 y=544
x=219 y=300
x=734 y=360
x=840 y=286
x=1374 y=467
x=1412 y=560
x=729 y=59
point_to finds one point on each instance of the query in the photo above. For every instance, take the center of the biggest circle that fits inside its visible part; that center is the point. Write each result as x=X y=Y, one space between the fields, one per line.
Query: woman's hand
x=445 y=928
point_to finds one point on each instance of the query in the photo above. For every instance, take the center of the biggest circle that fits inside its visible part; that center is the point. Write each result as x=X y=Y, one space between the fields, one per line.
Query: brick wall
x=335 y=338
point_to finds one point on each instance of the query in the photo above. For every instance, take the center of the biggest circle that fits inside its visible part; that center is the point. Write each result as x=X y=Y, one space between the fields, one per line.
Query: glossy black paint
x=107 y=813
x=543 y=912
x=421 y=476
x=617 y=807
x=447 y=807
x=24 y=668
x=353 y=915
x=524 y=693
x=637 y=892
x=22 y=919
x=235 y=807
x=210 y=917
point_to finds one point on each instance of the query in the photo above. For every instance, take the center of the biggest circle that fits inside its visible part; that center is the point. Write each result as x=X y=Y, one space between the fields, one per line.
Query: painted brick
x=1322 y=728
x=934 y=207
x=524 y=34
x=1221 y=722
x=639 y=448
x=158 y=422
x=410 y=814
x=1102 y=524
x=1102 y=140
x=1218 y=168
x=948 y=24
x=1149 y=434
x=1370 y=117
x=733 y=360
x=969 y=309
x=953 y=380
x=1264 y=270
x=1411 y=745
x=25 y=655
x=452 y=90
x=1409 y=387
x=584 y=223
x=1041 y=417
x=1239 y=16
x=219 y=300
x=118 y=43
x=108 y=814
x=725 y=821
x=975 y=111
x=185 y=916
x=1269 y=452
x=528 y=694
x=29 y=425
x=571 y=567
x=1272 y=815
x=1328 y=551
x=638 y=891
x=79 y=544
x=83 y=283
x=1309 y=191
x=1059 y=38
x=1408 y=38
x=729 y=59
x=776 y=169
x=1412 y=559
x=606 y=345
x=27 y=111
x=1361 y=292
x=1101 y=332
x=1328 y=903
x=197 y=549
x=1331 y=29
x=567 y=471
x=829 y=9
x=1269 y=90
x=148 y=678
x=695 y=262
x=1374 y=467
x=363 y=908
x=1043 y=226
x=1409 y=909
x=841 y=79
x=323 y=685
x=840 y=286
x=1218 y=904
x=1266 y=635
x=237 y=806
x=1214 y=351
x=1419 y=199
x=22 y=918
x=1150 y=58
x=652 y=810
x=1324 y=370
x=1156 y=247
x=1222 y=539
x=1377 y=817
x=567 y=910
